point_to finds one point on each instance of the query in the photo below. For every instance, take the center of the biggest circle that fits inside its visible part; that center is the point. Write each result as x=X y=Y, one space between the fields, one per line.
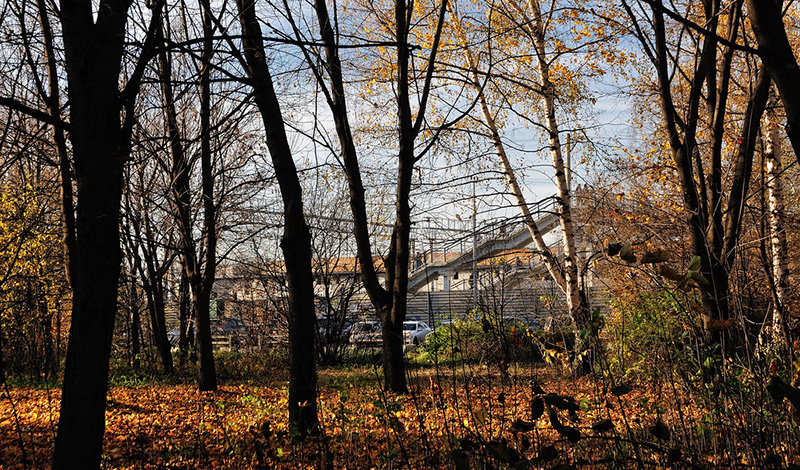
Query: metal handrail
x=489 y=233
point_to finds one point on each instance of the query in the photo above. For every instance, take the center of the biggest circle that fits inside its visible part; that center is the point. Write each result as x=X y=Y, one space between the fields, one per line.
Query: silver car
x=366 y=333
x=415 y=332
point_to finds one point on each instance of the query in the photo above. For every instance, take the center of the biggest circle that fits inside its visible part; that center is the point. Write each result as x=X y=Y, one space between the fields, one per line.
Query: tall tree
x=201 y=278
x=296 y=240
x=777 y=229
x=52 y=97
x=697 y=100
x=531 y=23
x=94 y=44
x=767 y=20
x=390 y=300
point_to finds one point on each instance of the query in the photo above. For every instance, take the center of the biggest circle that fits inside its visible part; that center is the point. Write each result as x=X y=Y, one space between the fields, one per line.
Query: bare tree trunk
x=49 y=367
x=100 y=144
x=198 y=274
x=578 y=309
x=777 y=53
x=780 y=258
x=296 y=240
x=133 y=333
x=568 y=277
x=181 y=193
x=65 y=174
x=185 y=328
x=389 y=301
x=203 y=283
x=155 y=287
x=551 y=262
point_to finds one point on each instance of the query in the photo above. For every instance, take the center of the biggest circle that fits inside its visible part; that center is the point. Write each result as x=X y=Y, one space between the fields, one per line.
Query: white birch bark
x=780 y=259
x=534 y=26
x=550 y=260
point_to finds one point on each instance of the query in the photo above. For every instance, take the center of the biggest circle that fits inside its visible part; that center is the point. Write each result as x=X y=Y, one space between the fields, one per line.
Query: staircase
x=543 y=211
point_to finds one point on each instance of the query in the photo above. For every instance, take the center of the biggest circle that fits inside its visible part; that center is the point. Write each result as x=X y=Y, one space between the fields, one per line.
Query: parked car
x=415 y=332
x=366 y=333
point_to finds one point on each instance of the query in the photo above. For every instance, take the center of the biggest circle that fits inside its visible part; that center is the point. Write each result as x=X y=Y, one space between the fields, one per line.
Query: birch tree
x=777 y=231
x=512 y=28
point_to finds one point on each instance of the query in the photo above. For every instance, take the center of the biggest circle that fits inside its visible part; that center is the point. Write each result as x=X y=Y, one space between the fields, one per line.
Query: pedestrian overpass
x=427 y=266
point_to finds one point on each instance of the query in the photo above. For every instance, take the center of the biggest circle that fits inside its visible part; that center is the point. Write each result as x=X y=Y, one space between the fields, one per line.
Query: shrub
x=482 y=340
x=235 y=366
x=643 y=331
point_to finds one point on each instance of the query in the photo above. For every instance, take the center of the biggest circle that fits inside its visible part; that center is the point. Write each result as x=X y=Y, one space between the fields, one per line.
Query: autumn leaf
x=521 y=425
x=626 y=253
x=669 y=273
x=714 y=324
x=657 y=256
x=774 y=366
x=603 y=426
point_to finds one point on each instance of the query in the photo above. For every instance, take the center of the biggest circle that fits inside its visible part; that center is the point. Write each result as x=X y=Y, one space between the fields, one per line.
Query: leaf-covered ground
x=454 y=418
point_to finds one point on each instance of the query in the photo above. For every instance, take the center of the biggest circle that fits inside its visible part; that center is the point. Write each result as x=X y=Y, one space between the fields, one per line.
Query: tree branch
x=46 y=118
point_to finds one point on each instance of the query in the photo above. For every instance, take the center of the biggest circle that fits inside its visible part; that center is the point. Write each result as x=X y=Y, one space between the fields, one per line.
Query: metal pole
x=569 y=162
x=474 y=247
x=430 y=309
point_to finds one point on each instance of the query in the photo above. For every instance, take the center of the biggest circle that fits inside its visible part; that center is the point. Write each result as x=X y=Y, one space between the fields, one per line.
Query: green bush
x=642 y=332
x=235 y=366
x=481 y=340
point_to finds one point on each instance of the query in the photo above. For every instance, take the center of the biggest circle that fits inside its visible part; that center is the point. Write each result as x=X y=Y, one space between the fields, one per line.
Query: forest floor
x=470 y=416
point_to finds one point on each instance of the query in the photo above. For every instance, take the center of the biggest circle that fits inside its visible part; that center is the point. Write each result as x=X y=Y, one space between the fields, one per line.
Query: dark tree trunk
x=296 y=240
x=134 y=324
x=154 y=284
x=777 y=54
x=185 y=332
x=93 y=47
x=53 y=100
x=207 y=380
x=198 y=274
x=181 y=202
x=82 y=421
x=93 y=65
x=394 y=367
x=204 y=281
x=159 y=324
x=389 y=301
